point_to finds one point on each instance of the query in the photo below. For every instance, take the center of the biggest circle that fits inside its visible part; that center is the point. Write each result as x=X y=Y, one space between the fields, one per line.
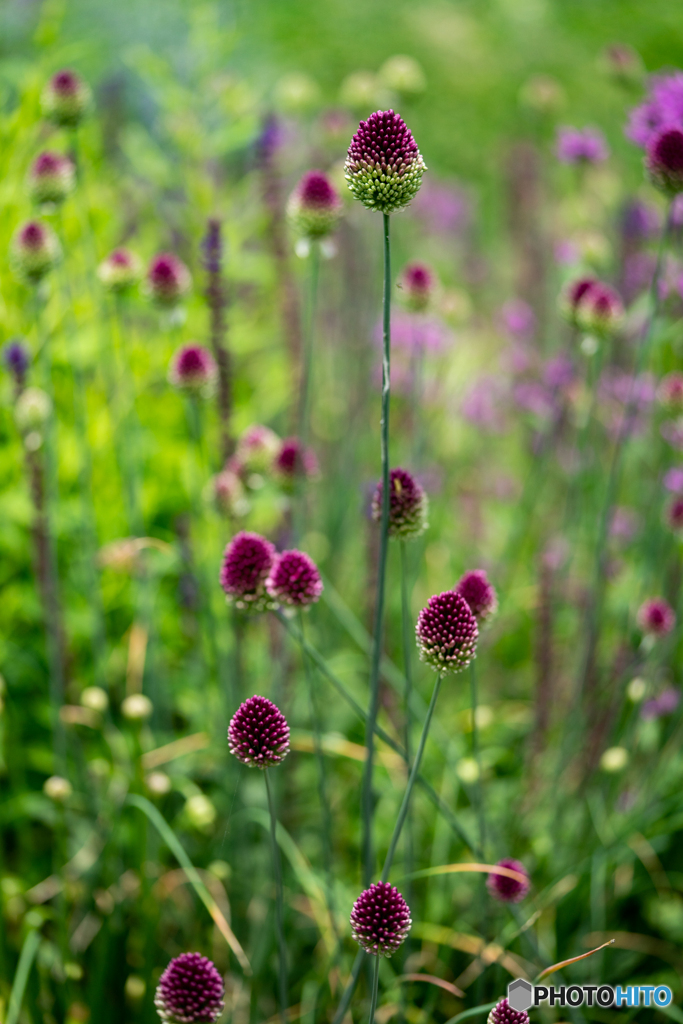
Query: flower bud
x=228 y=493
x=573 y=294
x=581 y=147
x=95 y=698
x=656 y=617
x=247 y=562
x=417 y=284
x=66 y=99
x=257 y=448
x=674 y=515
x=190 y=991
x=600 y=310
x=383 y=166
x=670 y=392
x=258 y=734
x=314 y=207
x=507 y=889
x=51 y=179
x=502 y=1013
x=168 y=280
x=479 y=594
x=32 y=410
x=408 y=505
x=293 y=461
x=664 y=160
x=380 y=919
x=120 y=270
x=294 y=580
x=137 y=707
x=57 y=788
x=34 y=251
x=193 y=368
x=447 y=633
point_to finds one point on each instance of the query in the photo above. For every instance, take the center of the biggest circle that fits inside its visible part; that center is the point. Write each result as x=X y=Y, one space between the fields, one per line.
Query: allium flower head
x=600 y=309
x=573 y=294
x=674 y=514
x=408 y=505
x=294 y=580
x=447 y=632
x=168 y=280
x=664 y=160
x=380 y=919
x=670 y=392
x=247 y=562
x=228 y=493
x=479 y=594
x=293 y=461
x=576 y=146
x=504 y=888
x=656 y=617
x=314 y=207
x=34 y=251
x=258 y=734
x=190 y=991
x=502 y=1013
x=51 y=179
x=417 y=284
x=17 y=359
x=383 y=166
x=66 y=99
x=257 y=448
x=663 y=108
x=120 y=270
x=193 y=368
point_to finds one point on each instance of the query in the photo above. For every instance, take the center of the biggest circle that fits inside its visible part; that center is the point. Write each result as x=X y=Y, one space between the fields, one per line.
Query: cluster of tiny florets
x=502 y=1013
x=294 y=461
x=447 y=632
x=479 y=593
x=120 y=270
x=168 y=280
x=258 y=734
x=380 y=919
x=66 y=99
x=664 y=160
x=190 y=991
x=34 y=251
x=383 y=166
x=408 y=505
x=592 y=305
x=656 y=617
x=294 y=580
x=193 y=368
x=504 y=887
x=314 y=208
x=51 y=179
x=247 y=562
x=417 y=285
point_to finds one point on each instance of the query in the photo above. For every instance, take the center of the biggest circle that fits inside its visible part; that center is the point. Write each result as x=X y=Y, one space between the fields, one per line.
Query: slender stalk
x=309 y=344
x=26 y=957
x=408 y=641
x=279 y=902
x=216 y=300
x=366 y=793
x=474 y=700
x=403 y=812
x=375 y=989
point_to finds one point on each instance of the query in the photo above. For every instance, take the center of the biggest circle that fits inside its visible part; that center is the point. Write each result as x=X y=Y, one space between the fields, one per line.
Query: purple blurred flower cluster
x=663 y=108
x=581 y=146
x=664 y=704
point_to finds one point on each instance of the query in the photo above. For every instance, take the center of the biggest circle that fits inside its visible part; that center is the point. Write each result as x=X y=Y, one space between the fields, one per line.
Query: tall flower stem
x=366 y=794
x=408 y=641
x=375 y=990
x=217 y=301
x=309 y=344
x=474 y=701
x=279 y=902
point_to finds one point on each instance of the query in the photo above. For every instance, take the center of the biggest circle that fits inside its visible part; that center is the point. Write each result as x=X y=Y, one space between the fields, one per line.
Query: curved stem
x=375 y=986
x=366 y=794
x=279 y=902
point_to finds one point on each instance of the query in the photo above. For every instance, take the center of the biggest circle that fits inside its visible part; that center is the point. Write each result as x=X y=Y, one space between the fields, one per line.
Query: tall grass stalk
x=279 y=903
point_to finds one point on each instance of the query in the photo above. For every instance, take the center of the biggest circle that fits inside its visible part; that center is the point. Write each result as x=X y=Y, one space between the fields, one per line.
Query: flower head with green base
x=383 y=166
x=51 y=178
x=34 y=251
x=190 y=991
x=408 y=505
x=66 y=99
x=314 y=207
x=447 y=632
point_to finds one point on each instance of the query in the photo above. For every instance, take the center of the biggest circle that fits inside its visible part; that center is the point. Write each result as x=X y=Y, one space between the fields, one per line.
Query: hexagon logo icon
x=520 y=994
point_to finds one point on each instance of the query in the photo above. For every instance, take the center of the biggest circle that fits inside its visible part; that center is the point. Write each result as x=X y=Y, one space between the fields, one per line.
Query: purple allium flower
x=66 y=99
x=656 y=617
x=408 y=505
x=673 y=480
x=258 y=734
x=120 y=270
x=505 y=888
x=256 y=448
x=380 y=919
x=415 y=333
x=581 y=147
x=190 y=991
x=17 y=359
x=664 y=160
x=573 y=294
x=663 y=108
x=34 y=251
x=479 y=593
x=502 y=1013
x=383 y=166
x=670 y=392
x=168 y=280
x=417 y=284
x=674 y=514
x=51 y=179
x=228 y=493
x=293 y=461
x=600 y=309
x=294 y=580
x=314 y=207
x=518 y=319
x=665 y=704
x=447 y=632
x=193 y=368
x=246 y=565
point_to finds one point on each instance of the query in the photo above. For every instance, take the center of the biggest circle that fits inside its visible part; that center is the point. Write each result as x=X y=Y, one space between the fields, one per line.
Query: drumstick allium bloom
x=120 y=270
x=447 y=632
x=380 y=919
x=190 y=991
x=258 y=734
x=505 y=888
x=383 y=166
x=294 y=580
x=168 y=280
x=34 y=251
x=417 y=284
x=479 y=593
x=51 y=179
x=572 y=296
x=193 y=368
x=314 y=207
x=66 y=99
x=408 y=505
x=656 y=617
x=600 y=309
x=502 y=1013
x=247 y=562
x=664 y=160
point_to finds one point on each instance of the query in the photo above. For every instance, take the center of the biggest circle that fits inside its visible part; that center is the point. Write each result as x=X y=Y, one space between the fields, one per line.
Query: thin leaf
x=447 y=986
x=565 y=963
x=26 y=957
x=448 y=869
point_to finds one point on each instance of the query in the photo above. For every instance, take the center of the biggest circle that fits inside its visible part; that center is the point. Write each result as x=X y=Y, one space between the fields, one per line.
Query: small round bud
x=257 y=448
x=158 y=783
x=258 y=734
x=314 y=207
x=57 y=788
x=51 y=179
x=228 y=493
x=32 y=410
x=200 y=812
x=573 y=294
x=380 y=919
x=664 y=160
x=136 y=707
x=575 y=146
x=168 y=280
x=17 y=359
x=447 y=633
x=66 y=99
x=247 y=562
x=34 y=251
x=505 y=888
x=190 y=991
x=293 y=461
x=95 y=698
x=383 y=166
x=479 y=593
x=614 y=759
x=417 y=285
x=600 y=309
x=120 y=270
x=656 y=617
x=502 y=1013
x=294 y=580
x=408 y=505
x=193 y=368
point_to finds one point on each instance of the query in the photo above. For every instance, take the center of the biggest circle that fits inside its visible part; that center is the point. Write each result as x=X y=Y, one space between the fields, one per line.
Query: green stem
x=375 y=986
x=279 y=902
x=366 y=794
x=303 y=426
x=402 y=814
x=408 y=641
x=477 y=757
x=26 y=958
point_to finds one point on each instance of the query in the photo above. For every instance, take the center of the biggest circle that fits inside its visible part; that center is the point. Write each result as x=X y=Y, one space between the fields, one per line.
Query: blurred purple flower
x=663 y=108
x=577 y=146
x=533 y=397
x=673 y=480
x=566 y=252
x=518 y=319
x=558 y=372
x=482 y=404
x=677 y=212
x=414 y=333
x=443 y=209
x=665 y=704
x=623 y=524
x=619 y=392
x=639 y=221
x=637 y=276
